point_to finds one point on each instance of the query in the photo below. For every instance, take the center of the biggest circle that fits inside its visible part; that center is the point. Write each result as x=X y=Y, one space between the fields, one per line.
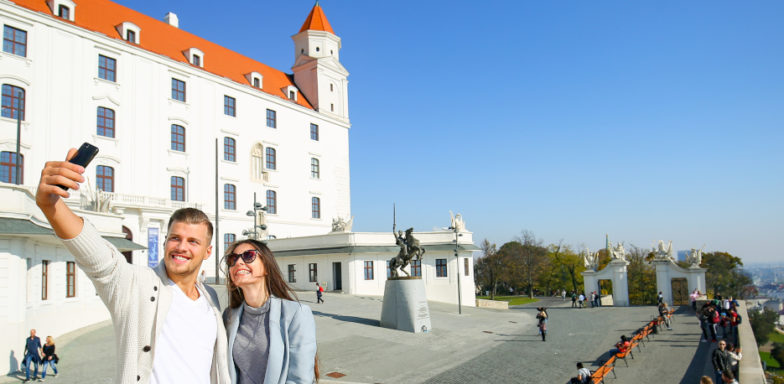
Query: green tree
x=532 y=261
x=723 y=275
x=487 y=268
x=762 y=323
x=641 y=277
x=567 y=266
x=777 y=353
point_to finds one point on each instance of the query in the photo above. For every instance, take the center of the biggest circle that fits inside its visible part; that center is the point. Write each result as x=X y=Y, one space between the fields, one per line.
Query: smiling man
x=168 y=325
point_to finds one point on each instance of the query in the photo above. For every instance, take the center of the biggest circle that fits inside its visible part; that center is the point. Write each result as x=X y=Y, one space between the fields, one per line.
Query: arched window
x=315 y=171
x=315 y=207
x=272 y=162
x=8 y=168
x=105 y=122
x=13 y=101
x=177 y=138
x=104 y=178
x=229 y=149
x=177 y=188
x=272 y=202
x=229 y=196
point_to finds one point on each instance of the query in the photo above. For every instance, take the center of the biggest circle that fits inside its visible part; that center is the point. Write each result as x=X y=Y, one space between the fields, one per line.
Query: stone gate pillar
x=666 y=270
x=614 y=271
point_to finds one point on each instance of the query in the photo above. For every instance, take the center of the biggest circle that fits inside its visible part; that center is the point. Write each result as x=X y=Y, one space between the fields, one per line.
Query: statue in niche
x=591 y=260
x=694 y=258
x=409 y=250
x=618 y=253
x=457 y=223
x=341 y=225
x=662 y=252
x=94 y=199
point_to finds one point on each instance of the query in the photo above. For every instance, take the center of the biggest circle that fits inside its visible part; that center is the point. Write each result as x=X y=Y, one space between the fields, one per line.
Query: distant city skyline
x=644 y=121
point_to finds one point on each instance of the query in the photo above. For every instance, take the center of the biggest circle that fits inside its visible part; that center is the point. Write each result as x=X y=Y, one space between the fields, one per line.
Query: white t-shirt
x=183 y=352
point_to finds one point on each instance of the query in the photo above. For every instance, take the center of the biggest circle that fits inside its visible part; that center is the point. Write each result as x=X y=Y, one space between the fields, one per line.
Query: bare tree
x=533 y=256
x=487 y=267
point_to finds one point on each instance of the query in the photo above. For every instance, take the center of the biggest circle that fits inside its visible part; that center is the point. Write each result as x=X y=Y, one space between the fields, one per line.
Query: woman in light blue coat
x=272 y=337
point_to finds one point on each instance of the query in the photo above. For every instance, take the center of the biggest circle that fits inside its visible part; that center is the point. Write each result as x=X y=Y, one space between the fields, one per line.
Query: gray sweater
x=251 y=347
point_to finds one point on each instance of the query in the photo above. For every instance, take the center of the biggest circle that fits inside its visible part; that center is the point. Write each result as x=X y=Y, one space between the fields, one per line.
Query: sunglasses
x=247 y=257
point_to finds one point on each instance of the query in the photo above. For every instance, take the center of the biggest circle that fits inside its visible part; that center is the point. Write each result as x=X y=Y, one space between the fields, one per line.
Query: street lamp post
x=457 y=261
x=256 y=207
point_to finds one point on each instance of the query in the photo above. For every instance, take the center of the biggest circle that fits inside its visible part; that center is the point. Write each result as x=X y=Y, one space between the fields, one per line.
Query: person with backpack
x=714 y=320
x=319 y=293
x=542 y=322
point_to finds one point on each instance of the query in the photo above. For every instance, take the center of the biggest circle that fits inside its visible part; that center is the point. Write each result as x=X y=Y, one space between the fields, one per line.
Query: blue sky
x=571 y=119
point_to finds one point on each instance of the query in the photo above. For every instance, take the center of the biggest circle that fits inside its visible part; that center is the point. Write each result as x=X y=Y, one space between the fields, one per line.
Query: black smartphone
x=84 y=155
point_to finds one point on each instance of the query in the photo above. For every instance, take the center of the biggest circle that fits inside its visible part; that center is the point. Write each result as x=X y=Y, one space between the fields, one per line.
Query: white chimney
x=172 y=19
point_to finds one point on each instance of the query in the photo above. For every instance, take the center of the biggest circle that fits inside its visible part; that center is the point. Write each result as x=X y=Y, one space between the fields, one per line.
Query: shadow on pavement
x=697 y=366
x=351 y=319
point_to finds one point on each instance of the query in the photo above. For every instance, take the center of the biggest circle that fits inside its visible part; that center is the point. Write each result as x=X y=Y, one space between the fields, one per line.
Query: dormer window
x=291 y=92
x=64 y=9
x=195 y=57
x=254 y=78
x=64 y=12
x=129 y=32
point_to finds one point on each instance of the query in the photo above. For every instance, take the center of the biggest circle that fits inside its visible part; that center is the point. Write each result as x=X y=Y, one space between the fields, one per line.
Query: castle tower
x=317 y=70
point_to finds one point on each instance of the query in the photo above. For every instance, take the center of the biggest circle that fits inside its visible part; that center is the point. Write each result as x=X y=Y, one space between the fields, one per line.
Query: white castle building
x=179 y=121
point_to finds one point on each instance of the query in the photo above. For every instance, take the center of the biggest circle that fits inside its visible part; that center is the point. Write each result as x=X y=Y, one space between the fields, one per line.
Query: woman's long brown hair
x=274 y=282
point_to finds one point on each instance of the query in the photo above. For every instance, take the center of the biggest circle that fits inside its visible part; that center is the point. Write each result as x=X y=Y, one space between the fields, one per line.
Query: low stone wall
x=751 y=364
x=482 y=303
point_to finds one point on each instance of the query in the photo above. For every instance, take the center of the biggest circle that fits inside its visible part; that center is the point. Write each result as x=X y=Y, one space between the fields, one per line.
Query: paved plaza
x=479 y=346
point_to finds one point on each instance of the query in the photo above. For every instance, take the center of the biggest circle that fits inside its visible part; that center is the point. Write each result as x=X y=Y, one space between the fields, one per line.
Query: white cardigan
x=138 y=300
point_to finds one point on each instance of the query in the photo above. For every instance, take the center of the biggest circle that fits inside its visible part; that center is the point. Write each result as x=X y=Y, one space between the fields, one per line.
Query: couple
x=168 y=326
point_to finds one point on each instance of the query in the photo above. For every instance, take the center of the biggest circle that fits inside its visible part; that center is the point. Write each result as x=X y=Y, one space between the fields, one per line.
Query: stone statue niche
x=409 y=250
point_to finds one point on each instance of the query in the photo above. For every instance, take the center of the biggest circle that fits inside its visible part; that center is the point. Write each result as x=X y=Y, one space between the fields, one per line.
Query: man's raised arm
x=49 y=196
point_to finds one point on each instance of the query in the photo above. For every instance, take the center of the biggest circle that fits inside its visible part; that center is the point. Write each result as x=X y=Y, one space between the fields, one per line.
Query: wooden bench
x=600 y=374
x=622 y=355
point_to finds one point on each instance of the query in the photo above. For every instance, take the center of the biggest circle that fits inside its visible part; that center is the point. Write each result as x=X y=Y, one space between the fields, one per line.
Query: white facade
x=341 y=259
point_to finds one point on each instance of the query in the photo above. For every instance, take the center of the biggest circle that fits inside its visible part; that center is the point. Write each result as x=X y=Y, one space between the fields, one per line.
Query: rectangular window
x=107 y=68
x=177 y=188
x=177 y=138
x=70 y=279
x=104 y=178
x=197 y=60
x=229 y=106
x=271 y=119
x=229 y=149
x=178 y=90
x=416 y=268
x=272 y=202
x=44 y=279
x=8 y=168
x=314 y=132
x=105 y=122
x=130 y=36
x=13 y=101
x=368 y=270
x=292 y=273
x=65 y=13
x=15 y=41
x=315 y=208
x=229 y=196
x=312 y=272
x=315 y=171
x=256 y=83
x=272 y=158
x=465 y=265
x=228 y=239
x=440 y=267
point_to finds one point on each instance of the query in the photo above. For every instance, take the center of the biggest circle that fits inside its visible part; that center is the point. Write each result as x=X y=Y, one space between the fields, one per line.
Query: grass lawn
x=776 y=337
x=771 y=362
x=513 y=300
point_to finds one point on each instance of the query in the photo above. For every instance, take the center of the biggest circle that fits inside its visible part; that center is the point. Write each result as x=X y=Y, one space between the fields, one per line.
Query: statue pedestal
x=405 y=305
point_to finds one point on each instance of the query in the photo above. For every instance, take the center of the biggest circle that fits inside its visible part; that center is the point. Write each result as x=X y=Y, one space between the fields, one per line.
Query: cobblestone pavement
x=477 y=346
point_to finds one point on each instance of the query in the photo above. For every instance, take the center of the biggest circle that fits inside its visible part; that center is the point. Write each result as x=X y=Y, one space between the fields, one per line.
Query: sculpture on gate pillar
x=694 y=257
x=663 y=253
x=618 y=253
x=591 y=260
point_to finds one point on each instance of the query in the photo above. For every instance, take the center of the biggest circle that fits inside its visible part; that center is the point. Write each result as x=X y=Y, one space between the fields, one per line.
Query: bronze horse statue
x=409 y=249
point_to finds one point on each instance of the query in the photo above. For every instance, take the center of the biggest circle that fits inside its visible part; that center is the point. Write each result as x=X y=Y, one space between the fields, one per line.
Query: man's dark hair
x=579 y=365
x=191 y=216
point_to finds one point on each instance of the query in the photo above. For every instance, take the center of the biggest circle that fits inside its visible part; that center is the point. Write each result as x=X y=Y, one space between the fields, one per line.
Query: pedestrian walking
x=563 y=294
x=542 y=318
x=574 y=300
x=664 y=312
x=582 y=300
x=50 y=358
x=721 y=361
x=660 y=297
x=32 y=354
x=319 y=293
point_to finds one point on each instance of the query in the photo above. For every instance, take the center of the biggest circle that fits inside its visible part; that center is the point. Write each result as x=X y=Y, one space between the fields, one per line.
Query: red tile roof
x=159 y=37
x=317 y=21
